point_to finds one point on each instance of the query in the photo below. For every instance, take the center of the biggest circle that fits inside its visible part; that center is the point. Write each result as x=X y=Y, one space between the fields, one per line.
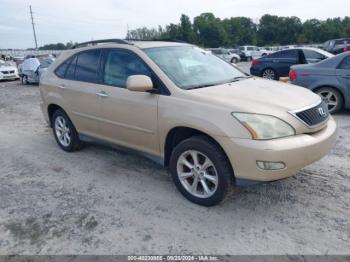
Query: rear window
x=342 y=42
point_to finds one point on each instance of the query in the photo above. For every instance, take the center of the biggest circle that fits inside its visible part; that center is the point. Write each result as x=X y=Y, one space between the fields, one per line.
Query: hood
x=257 y=95
x=7 y=68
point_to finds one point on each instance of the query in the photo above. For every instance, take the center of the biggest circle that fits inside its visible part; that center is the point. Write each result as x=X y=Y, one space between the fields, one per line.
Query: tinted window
x=342 y=42
x=310 y=54
x=250 y=48
x=215 y=51
x=61 y=70
x=120 y=65
x=345 y=64
x=87 y=66
x=71 y=69
x=285 y=54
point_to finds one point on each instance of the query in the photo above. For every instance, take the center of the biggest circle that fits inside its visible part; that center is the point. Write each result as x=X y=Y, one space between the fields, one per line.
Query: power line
x=31 y=16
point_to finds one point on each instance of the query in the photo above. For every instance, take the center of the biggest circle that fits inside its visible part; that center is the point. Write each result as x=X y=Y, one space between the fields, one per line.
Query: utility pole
x=31 y=16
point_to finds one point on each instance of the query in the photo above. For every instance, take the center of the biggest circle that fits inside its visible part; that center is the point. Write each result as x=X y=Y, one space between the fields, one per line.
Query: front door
x=129 y=118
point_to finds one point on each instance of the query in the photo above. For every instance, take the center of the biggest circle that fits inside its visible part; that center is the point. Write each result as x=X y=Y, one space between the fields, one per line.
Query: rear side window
x=345 y=64
x=285 y=54
x=71 y=69
x=120 y=64
x=61 y=70
x=86 y=69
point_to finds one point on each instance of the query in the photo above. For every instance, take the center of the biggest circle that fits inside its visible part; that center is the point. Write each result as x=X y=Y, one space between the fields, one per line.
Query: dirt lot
x=104 y=201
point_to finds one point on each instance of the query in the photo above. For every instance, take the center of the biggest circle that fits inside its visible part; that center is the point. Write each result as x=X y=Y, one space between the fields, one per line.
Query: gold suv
x=209 y=122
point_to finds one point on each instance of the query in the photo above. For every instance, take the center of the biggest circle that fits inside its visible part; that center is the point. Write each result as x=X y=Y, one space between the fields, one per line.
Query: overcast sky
x=82 y=20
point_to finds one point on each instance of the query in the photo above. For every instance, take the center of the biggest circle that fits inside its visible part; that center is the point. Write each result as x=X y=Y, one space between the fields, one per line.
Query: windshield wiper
x=238 y=78
x=200 y=86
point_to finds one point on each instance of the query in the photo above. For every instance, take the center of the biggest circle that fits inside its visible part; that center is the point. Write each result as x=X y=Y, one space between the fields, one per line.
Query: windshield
x=191 y=67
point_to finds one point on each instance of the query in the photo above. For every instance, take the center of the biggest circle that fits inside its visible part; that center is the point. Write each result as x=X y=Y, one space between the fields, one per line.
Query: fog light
x=267 y=165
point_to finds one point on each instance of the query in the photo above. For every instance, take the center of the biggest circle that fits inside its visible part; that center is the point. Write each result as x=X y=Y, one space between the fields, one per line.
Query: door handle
x=345 y=76
x=62 y=86
x=102 y=94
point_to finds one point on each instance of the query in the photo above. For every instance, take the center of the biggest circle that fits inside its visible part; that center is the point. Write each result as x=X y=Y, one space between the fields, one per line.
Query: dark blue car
x=278 y=64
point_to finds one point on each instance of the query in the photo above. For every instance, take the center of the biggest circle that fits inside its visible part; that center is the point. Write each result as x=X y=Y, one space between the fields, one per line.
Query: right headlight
x=264 y=126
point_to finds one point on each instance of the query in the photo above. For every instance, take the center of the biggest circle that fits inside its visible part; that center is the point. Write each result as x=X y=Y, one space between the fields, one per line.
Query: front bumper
x=296 y=152
x=8 y=76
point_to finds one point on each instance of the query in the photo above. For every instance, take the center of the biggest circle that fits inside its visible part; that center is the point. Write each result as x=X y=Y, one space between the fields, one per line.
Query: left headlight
x=264 y=126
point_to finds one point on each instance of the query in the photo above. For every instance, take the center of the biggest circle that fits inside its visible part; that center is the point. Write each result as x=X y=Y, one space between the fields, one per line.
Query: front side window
x=191 y=67
x=121 y=64
x=345 y=64
x=87 y=66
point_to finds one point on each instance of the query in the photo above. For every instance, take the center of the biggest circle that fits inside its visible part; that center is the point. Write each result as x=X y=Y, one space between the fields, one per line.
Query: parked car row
x=315 y=69
x=278 y=64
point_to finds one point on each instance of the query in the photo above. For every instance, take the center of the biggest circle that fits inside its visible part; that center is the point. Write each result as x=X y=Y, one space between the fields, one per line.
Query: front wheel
x=201 y=171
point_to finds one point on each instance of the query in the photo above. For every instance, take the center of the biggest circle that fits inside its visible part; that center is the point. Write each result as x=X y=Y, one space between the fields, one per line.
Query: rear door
x=282 y=61
x=128 y=118
x=343 y=73
x=79 y=91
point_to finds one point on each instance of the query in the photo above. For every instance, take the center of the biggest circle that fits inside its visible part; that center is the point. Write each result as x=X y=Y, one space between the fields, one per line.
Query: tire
x=69 y=139
x=217 y=168
x=234 y=60
x=269 y=73
x=24 y=80
x=249 y=58
x=333 y=98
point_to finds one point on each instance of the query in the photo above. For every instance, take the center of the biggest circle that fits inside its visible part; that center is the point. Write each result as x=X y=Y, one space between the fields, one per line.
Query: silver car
x=329 y=78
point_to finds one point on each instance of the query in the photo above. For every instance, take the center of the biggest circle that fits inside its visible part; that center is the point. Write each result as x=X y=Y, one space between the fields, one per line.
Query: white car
x=226 y=55
x=8 y=71
x=252 y=52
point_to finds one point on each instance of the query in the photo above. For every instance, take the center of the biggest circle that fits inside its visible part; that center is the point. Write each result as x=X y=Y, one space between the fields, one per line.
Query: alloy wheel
x=268 y=74
x=63 y=131
x=197 y=174
x=330 y=98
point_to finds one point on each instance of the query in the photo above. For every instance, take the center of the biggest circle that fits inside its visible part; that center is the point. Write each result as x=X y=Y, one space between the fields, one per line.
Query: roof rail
x=157 y=39
x=95 y=42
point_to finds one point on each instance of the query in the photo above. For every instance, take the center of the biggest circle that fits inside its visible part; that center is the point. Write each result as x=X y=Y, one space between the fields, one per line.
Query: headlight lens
x=264 y=126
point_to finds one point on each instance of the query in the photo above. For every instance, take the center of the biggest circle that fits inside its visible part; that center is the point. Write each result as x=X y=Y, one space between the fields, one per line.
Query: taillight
x=293 y=75
x=346 y=49
x=255 y=62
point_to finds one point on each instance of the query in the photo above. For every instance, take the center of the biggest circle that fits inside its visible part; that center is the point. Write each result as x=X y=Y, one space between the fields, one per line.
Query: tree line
x=209 y=31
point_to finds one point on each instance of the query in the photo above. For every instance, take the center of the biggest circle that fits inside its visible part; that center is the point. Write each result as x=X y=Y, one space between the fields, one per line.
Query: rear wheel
x=332 y=97
x=234 y=60
x=249 y=58
x=201 y=171
x=64 y=131
x=269 y=73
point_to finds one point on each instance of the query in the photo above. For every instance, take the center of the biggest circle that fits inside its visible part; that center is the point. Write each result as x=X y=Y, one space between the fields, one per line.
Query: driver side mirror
x=139 y=83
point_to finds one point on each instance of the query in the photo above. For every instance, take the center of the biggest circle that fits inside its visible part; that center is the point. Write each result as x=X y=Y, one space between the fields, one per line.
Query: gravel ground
x=105 y=201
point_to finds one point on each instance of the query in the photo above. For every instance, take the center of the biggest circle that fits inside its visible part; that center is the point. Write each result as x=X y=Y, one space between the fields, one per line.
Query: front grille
x=314 y=115
x=8 y=72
